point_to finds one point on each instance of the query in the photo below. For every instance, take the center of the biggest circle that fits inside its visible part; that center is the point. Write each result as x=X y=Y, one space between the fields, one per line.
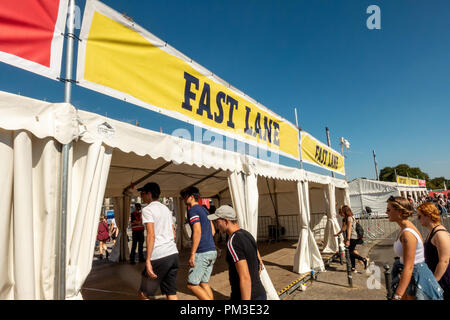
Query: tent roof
x=374 y=186
x=139 y=151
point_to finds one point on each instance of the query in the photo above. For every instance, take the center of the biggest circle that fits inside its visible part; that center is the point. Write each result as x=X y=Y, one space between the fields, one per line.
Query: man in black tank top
x=243 y=258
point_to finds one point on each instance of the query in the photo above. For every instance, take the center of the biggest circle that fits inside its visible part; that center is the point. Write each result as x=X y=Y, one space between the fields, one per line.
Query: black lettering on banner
x=257 y=126
x=233 y=104
x=205 y=102
x=267 y=130
x=188 y=94
x=220 y=97
x=276 y=131
x=325 y=156
x=247 y=130
x=317 y=155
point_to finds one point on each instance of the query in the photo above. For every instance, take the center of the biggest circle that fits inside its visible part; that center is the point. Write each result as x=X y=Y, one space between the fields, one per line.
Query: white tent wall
x=374 y=194
x=31 y=165
x=282 y=196
x=331 y=243
x=244 y=192
x=89 y=165
x=318 y=211
x=307 y=254
x=28 y=215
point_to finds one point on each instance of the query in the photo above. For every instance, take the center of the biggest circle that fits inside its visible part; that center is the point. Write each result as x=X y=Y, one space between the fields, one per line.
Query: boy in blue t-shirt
x=203 y=251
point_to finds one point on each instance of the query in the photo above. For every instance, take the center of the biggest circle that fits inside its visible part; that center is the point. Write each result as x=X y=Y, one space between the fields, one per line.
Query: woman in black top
x=437 y=245
x=351 y=236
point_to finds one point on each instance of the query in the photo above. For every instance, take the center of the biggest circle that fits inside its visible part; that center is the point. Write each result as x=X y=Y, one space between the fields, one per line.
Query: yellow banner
x=407 y=181
x=121 y=59
x=316 y=153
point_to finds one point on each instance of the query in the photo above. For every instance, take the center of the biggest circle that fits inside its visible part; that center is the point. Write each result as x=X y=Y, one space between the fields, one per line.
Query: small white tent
x=374 y=194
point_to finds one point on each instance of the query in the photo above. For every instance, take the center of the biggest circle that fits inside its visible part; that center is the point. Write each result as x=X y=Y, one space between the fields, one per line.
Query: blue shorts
x=201 y=273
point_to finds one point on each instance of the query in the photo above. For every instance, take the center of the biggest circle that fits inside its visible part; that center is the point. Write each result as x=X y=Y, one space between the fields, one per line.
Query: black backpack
x=359 y=230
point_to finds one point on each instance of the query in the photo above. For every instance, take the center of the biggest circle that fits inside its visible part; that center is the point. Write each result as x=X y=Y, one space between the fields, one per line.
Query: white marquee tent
x=106 y=156
x=374 y=194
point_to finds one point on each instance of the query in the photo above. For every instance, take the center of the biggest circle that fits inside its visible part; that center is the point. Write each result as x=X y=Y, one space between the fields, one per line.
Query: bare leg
x=199 y=292
x=208 y=290
x=172 y=297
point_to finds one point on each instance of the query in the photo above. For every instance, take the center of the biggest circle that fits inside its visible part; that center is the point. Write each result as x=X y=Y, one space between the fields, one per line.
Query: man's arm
x=260 y=261
x=245 y=282
x=213 y=230
x=196 y=236
x=150 y=243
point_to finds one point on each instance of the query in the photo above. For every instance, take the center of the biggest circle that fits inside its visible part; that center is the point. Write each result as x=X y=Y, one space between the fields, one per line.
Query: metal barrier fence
x=289 y=227
x=263 y=227
x=375 y=228
x=317 y=224
x=380 y=228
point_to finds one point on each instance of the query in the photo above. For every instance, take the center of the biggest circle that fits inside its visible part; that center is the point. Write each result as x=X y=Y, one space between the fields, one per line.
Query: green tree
x=438 y=183
x=388 y=173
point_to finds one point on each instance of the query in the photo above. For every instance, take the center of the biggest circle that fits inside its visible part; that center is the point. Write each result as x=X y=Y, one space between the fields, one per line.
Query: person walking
x=113 y=230
x=161 y=265
x=411 y=277
x=437 y=245
x=243 y=258
x=137 y=229
x=351 y=239
x=203 y=251
x=103 y=237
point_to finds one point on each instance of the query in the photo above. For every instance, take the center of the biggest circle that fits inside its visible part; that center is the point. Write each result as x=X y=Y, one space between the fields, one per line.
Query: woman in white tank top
x=409 y=247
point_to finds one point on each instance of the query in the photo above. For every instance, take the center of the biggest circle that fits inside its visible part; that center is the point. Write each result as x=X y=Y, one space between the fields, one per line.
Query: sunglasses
x=392 y=199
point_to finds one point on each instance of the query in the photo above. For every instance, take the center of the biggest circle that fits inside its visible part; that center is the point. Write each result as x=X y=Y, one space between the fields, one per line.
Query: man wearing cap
x=203 y=251
x=243 y=258
x=161 y=266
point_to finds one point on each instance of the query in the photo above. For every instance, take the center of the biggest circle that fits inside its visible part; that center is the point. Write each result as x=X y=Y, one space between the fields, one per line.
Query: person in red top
x=137 y=228
x=103 y=236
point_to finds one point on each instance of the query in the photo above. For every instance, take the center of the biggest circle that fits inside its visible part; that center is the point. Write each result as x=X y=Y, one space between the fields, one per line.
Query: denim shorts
x=202 y=270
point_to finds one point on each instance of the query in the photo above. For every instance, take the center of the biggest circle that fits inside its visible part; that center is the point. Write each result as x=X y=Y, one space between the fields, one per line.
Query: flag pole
x=61 y=289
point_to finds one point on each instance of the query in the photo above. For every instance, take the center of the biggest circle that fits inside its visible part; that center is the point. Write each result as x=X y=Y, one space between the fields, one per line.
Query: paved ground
x=120 y=281
x=333 y=283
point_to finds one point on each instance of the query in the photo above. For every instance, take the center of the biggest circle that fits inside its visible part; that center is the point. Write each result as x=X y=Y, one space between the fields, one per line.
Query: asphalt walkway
x=367 y=284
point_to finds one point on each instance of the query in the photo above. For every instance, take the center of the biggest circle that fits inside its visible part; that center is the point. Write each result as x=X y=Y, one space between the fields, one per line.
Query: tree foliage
x=388 y=174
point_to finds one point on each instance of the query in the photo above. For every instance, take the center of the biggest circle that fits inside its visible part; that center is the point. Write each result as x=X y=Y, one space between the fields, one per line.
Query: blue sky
x=386 y=90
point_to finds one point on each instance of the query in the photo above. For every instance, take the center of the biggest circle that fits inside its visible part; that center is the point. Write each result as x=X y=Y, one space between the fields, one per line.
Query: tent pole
x=147 y=176
x=204 y=179
x=61 y=291
x=299 y=138
x=329 y=144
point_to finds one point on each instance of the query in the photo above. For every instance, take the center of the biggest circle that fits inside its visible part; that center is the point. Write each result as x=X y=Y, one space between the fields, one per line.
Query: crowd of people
x=162 y=257
x=421 y=269
x=440 y=200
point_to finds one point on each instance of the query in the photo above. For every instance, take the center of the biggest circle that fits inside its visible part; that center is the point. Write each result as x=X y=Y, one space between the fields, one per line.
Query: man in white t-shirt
x=161 y=265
